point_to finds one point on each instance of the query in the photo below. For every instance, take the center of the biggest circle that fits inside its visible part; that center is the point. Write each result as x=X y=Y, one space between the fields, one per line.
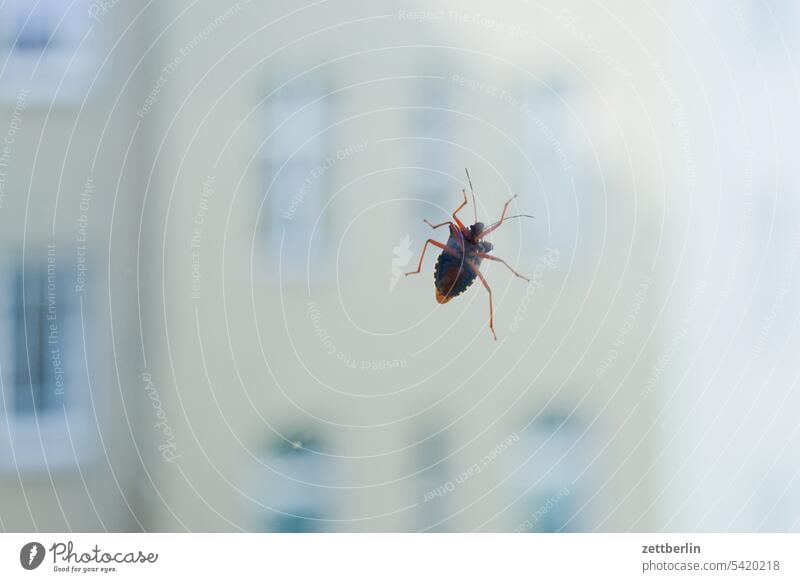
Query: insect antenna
x=509 y=218
x=471 y=189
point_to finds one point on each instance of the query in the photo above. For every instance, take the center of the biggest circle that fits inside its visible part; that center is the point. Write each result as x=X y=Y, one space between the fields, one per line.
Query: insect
x=458 y=264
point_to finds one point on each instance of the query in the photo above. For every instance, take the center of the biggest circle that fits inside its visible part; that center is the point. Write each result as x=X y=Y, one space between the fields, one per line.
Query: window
x=431 y=128
x=552 y=458
x=44 y=44
x=37 y=366
x=544 y=118
x=431 y=483
x=297 y=164
x=44 y=418
x=291 y=482
x=770 y=25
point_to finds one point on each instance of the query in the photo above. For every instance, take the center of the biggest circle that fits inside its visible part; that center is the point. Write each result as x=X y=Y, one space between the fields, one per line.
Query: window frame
x=67 y=61
x=57 y=437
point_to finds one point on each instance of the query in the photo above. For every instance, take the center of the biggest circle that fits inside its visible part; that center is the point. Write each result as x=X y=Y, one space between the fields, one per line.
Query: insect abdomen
x=452 y=276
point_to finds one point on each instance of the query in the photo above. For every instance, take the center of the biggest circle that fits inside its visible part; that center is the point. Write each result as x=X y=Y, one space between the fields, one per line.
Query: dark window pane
x=294 y=524
x=38 y=317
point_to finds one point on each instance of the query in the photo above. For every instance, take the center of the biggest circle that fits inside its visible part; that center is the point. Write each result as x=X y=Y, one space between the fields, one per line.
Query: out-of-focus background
x=206 y=209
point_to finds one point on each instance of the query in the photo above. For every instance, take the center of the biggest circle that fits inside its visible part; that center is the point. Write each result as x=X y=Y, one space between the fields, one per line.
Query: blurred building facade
x=70 y=212
x=233 y=191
